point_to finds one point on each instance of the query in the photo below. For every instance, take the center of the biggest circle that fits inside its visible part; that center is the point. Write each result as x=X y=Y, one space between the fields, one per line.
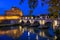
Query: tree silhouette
x=47 y=33
x=32 y=5
x=21 y=1
x=54 y=8
x=42 y=2
x=57 y=32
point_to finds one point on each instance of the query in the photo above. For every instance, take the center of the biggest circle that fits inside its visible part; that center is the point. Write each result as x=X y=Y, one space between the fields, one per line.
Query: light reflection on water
x=22 y=33
x=13 y=32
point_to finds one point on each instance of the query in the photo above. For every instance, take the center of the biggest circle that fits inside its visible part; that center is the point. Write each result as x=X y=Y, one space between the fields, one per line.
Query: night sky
x=7 y=4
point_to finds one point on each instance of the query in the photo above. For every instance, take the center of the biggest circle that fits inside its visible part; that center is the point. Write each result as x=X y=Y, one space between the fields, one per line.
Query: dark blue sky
x=7 y=4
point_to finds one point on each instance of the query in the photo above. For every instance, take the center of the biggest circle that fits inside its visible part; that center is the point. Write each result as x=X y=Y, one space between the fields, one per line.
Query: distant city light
x=41 y=17
x=20 y=28
x=25 y=21
x=9 y=17
x=31 y=21
x=15 y=31
x=12 y=17
x=26 y=17
x=42 y=33
x=2 y=18
x=55 y=23
x=20 y=20
x=42 y=22
x=31 y=17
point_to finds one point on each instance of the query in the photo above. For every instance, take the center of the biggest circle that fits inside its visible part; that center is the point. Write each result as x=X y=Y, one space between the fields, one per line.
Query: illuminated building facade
x=11 y=16
x=14 y=12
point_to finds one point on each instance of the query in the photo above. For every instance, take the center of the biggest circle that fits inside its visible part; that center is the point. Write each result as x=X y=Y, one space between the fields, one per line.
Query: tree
x=54 y=8
x=21 y=1
x=49 y=30
x=57 y=32
x=32 y=5
x=43 y=2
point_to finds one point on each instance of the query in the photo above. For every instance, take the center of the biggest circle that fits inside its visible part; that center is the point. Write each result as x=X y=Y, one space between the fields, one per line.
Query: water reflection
x=29 y=32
